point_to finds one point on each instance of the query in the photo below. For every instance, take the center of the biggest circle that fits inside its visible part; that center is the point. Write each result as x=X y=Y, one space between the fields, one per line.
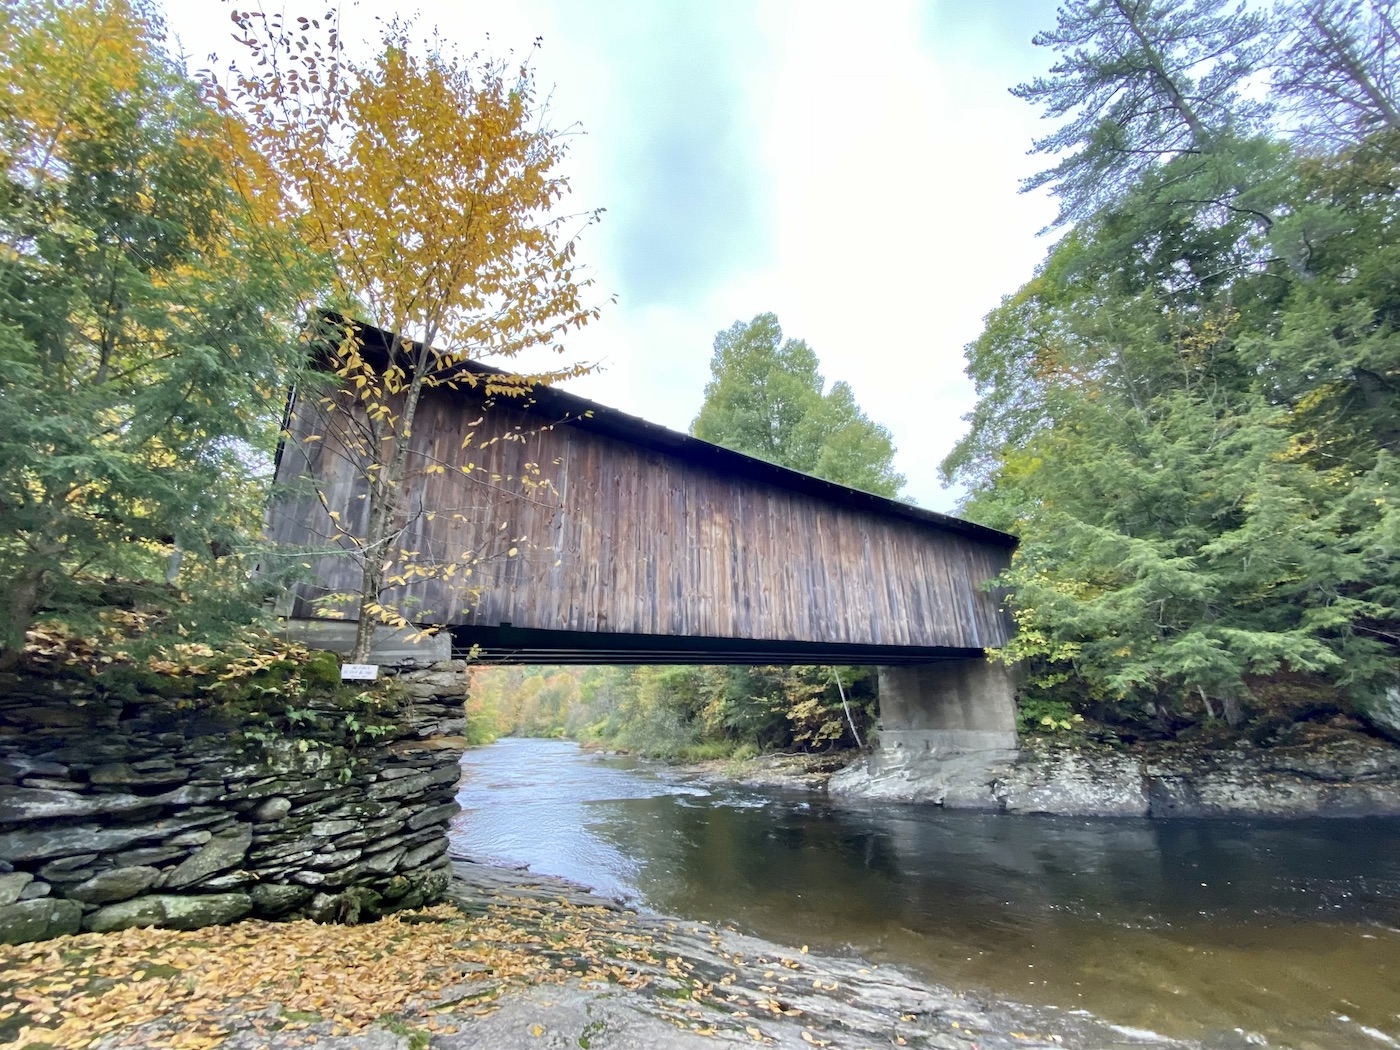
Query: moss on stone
x=322 y=670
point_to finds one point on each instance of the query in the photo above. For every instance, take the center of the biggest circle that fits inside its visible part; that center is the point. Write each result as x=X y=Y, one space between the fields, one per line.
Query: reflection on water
x=1206 y=929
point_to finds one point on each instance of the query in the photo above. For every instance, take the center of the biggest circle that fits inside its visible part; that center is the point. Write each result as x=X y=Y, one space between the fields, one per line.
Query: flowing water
x=1229 y=932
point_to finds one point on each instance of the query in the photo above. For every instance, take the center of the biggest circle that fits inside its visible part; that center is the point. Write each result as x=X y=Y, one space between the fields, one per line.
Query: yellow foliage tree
x=431 y=187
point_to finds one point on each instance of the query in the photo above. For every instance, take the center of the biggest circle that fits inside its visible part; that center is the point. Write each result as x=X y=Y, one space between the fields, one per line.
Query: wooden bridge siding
x=655 y=544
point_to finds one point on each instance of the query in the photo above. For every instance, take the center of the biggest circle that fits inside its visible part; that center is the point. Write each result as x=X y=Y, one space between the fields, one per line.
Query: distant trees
x=677 y=713
x=1189 y=414
x=147 y=327
x=766 y=398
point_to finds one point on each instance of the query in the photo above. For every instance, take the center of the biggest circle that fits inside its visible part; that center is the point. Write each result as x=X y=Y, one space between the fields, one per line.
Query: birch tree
x=432 y=187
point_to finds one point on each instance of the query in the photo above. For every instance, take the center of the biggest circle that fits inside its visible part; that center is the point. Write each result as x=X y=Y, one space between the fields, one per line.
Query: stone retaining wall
x=124 y=803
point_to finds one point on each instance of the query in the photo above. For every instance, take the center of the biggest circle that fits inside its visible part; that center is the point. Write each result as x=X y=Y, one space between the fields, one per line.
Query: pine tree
x=146 y=323
x=1142 y=82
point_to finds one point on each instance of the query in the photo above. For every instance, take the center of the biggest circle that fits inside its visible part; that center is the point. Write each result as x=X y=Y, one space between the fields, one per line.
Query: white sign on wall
x=359 y=672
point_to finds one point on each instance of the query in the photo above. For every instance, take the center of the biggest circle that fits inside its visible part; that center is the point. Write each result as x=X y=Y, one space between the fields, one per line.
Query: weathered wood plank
x=623 y=538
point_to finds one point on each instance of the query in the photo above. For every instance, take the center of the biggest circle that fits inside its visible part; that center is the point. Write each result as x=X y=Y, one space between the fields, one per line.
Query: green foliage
x=680 y=713
x=1190 y=414
x=767 y=399
x=144 y=325
x=745 y=751
x=1141 y=82
x=1039 y=715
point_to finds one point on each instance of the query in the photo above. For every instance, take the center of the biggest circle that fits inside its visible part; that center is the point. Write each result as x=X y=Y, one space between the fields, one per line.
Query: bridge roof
x=588 y=415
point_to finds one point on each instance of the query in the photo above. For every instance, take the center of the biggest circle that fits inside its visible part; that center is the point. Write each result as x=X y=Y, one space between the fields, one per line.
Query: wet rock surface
x=783 y=772
x=1315 y=774
x=750 y=990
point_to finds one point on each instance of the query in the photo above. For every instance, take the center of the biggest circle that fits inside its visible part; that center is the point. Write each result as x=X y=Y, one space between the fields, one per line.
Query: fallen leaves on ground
x=75 y=991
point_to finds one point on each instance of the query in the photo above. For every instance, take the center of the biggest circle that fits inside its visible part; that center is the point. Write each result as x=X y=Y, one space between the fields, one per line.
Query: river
x=1234 y=933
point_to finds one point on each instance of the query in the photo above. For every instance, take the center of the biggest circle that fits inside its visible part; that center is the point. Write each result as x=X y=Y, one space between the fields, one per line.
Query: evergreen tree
x=1186 y=463
x=1189 y=414
x=1142 y=82
x=146 y=326
x=1339 y=69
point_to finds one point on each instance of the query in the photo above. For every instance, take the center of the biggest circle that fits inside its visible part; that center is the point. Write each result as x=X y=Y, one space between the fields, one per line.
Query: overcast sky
x=851 y=167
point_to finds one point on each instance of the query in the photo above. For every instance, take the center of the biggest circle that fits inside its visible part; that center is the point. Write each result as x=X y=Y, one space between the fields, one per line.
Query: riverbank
x=515 y=960
x=1313 y=771
x=1316 y=772
x=767 y=772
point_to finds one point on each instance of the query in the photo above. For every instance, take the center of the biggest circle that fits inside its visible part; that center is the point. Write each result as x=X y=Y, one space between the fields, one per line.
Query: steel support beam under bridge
x=519 y=645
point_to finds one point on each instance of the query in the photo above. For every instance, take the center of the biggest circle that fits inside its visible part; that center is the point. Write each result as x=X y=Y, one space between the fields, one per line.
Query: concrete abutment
x=948 y=733
x=952 y=705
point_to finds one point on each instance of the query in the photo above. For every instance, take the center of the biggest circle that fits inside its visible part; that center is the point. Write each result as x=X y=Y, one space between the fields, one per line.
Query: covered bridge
x=595 y=536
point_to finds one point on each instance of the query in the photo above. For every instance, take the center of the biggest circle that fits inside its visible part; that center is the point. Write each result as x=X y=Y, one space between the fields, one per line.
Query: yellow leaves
x=536 y=1030
x=64 y=66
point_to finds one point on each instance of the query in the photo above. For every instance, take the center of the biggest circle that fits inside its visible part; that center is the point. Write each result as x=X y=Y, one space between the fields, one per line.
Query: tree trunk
x=1234 y=713
x=1352 y=68
x=1158 y=68
x=371 y=578
x=847 y=708
x=385 y=491
x=1210 y=708
x=24 y=603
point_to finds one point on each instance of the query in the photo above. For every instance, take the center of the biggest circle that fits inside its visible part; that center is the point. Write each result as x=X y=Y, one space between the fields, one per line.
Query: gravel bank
x=690 y=985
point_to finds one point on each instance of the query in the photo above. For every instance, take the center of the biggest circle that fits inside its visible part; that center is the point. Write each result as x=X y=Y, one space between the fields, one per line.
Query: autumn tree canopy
x=431 y=186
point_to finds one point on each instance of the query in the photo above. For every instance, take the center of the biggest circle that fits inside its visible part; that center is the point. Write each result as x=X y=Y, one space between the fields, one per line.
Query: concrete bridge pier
x=948 y=706
x=947 y=734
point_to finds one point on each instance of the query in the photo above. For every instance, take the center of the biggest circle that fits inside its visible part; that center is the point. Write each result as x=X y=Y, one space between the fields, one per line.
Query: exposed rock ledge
x=708 y=985
x=1349 y=776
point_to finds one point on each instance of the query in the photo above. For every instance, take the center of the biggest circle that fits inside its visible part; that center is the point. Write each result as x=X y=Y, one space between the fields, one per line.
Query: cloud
x=685 y=210
x=851 y=168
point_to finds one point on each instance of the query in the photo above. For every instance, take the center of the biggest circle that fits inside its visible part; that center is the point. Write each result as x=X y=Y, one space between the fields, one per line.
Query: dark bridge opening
x=522 y=645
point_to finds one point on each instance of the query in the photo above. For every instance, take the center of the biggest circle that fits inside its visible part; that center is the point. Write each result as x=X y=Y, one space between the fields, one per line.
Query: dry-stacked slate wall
x=139 y=800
